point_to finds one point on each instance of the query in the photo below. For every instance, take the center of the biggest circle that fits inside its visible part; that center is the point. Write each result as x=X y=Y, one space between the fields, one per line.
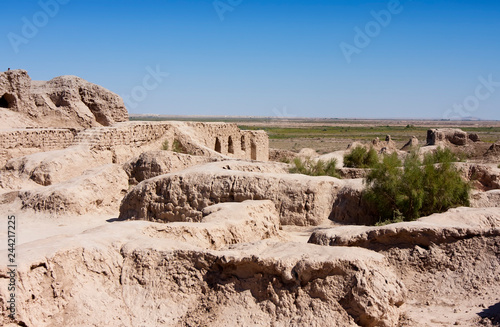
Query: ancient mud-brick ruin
x=68 y=111
x=217 y=139
x=184 y=224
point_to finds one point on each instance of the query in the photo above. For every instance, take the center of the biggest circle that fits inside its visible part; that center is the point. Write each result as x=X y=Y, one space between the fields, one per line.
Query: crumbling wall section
x=41 y=138
x=131 y=133
x=452 y=135
x=228 y=140
x=206 y=139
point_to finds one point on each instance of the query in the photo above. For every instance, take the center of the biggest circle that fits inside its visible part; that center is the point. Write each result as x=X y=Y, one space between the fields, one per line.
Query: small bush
x=498 y=166
x=177 y=147
x=285 y=160
x=440 y=156
x=384 y=182
x=409 y=190
x=443 y=185
x=165 y=145
x=359 y=157
x=315 y=168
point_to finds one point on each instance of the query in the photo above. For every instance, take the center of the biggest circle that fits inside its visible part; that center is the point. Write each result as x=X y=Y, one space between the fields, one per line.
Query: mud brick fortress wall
x=41 y=138
x=227 y=139
x=203 y=138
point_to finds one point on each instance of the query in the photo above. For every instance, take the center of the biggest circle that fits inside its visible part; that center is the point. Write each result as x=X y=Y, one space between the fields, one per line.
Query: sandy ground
x=32 y=227
x=428 y=304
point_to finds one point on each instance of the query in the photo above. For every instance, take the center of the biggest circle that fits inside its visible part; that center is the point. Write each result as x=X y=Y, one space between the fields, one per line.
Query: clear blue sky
x=268 y=58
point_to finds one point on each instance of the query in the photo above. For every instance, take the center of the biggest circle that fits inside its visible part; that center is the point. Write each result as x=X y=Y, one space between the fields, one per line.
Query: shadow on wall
x=218 y=147
x=253 y=150
x=7 y=101
x=492 y=313
x=230 y=147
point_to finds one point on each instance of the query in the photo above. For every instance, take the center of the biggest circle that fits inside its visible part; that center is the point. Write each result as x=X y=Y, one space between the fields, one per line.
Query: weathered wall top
x=67 y=110
x=452 y=135
x=65 y=101
x=204 y=139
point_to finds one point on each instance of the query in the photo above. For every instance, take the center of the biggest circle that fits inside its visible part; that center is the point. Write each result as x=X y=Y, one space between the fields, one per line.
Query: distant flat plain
x=328 y=134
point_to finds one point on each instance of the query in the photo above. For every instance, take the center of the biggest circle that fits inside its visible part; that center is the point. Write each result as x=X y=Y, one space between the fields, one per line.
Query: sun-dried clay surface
x=449 y=262
x=120 y=275
x=302 y=200
x=64 y=101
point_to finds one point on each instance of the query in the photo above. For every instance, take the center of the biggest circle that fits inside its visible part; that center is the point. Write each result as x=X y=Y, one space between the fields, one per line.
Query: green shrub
x=383 y=183
x=498 y=166
x=443 y=185
x=406 y=191
x=165 y=145
x=177 y=147
x=315 y=168
x=359 y=157
x=440 y=155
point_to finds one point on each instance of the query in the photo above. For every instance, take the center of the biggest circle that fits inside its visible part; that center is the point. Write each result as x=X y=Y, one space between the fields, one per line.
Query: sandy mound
x=252 y=167
x=337 y=155
x=256 y=220
x=280 y=155
x=450 y=284
x=412 y=144
x=386 y=146
x=456 y=224
x=12 y=119
x=155 y=163
x=65 y=101
x=300 y=199
x=485 y=199
x=493 y=151
x=449 y=263
x=96 y=190
x=307 y=153
x=483 y=176
x=51 y=167
x=125 y=278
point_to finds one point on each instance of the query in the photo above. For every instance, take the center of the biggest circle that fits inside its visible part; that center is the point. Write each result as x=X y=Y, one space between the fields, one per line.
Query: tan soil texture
x=449 y=262
x=122 y=274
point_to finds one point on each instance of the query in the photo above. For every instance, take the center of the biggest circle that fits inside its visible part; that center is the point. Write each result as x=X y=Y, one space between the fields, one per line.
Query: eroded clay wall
x=210 y=138
x=228 y=140
x=42 y=138
x=131 y=133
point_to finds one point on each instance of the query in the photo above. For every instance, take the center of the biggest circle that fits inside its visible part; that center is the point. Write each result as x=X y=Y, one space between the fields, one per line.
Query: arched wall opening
x=218 y=146
x=230 y=147
x=7 y=101
x=253 y=150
